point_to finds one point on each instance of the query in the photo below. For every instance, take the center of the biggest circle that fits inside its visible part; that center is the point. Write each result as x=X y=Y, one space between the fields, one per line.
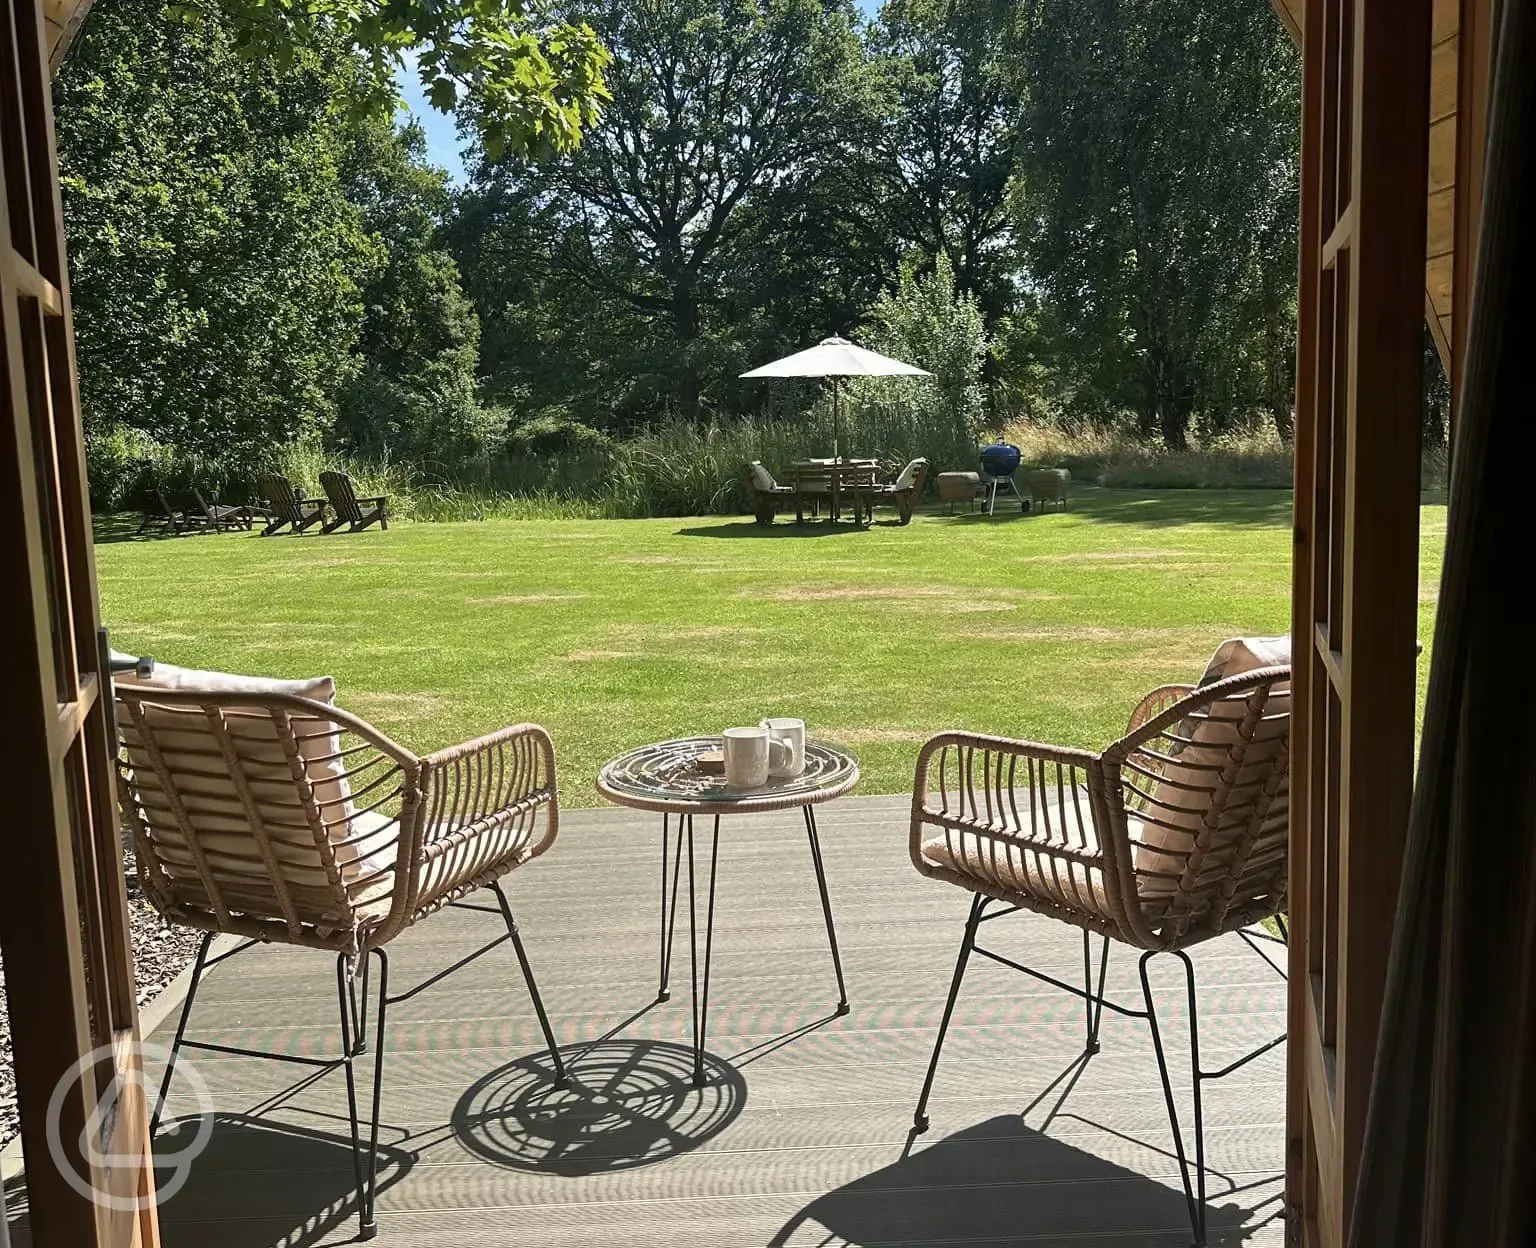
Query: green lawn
x=616 y=632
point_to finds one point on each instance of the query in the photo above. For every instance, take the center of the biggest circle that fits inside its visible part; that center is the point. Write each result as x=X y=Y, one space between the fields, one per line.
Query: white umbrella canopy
x=837 y=357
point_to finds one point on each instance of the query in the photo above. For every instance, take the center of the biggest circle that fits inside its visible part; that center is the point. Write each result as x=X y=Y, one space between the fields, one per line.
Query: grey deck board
x=800 y=1139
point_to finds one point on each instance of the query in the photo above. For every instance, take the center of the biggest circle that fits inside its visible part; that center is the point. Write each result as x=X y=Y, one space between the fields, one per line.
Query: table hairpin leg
x=701 y=998
x=669 y=911
x=826 y=905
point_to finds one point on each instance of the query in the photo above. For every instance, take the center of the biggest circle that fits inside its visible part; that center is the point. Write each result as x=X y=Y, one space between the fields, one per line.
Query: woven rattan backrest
x=1199 y=806
x=265 y=814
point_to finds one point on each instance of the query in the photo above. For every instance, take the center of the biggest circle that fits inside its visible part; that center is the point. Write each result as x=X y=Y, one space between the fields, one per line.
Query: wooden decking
x=801 y=1135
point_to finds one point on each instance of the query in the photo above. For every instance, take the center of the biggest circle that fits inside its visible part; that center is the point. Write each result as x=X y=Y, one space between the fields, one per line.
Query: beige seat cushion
x=959 y=486
x=1011 y=863
x=908 y=477
x=1181 y=798
x=203 y=785
x=1047 y=484
x=762 y=479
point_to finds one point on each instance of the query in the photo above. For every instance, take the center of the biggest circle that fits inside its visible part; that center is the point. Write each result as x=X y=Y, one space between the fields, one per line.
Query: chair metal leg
x=351 y=1045
x=968 y=942
x=368 y=1214
x=181 y=1030
x=1093 y=1005
x=1194 y=1193
x=533 y=987
x=362 y=1011
x=826 y=906
x=669 y=913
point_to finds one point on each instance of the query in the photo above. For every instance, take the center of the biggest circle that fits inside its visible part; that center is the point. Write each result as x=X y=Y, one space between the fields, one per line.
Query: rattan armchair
x=283 y=818
x=1175 y=834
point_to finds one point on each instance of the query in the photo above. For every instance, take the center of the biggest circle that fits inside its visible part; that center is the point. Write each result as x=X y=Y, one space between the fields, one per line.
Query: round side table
x=667 y=778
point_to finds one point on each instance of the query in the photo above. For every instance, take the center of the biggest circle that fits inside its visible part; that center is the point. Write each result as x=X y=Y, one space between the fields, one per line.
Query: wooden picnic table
x=832 y=478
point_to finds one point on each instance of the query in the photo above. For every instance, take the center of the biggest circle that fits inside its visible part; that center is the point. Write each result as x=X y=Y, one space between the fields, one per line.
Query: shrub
x=554 y=433
x=122 y=464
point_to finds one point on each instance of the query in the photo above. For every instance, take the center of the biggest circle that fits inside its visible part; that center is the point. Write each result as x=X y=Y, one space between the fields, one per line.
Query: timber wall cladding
x=1440 y=235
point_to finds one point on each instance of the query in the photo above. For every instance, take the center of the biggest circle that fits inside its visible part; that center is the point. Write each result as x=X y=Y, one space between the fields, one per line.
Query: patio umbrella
x=835 y=358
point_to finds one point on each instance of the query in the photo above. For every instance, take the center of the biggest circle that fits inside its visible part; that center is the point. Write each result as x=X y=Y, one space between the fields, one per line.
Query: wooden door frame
x=63 y=924
x=1365 y=105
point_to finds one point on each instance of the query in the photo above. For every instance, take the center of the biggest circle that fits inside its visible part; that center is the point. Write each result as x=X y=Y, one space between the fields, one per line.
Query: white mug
x=751 y=755
x=792 y=733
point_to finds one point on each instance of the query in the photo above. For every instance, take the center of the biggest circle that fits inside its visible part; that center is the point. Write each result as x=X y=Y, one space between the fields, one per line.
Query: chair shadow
x=258 y=1183
x=996 y=1180
x=628 y=1103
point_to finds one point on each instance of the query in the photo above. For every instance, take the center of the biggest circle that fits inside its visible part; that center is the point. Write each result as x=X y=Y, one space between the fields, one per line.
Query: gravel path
x=160 y=952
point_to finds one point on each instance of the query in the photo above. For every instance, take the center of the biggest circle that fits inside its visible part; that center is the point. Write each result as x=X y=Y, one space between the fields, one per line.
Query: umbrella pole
x=836 y=399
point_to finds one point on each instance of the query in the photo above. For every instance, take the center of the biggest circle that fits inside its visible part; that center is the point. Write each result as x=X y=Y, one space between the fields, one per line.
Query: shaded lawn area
x=616 y=632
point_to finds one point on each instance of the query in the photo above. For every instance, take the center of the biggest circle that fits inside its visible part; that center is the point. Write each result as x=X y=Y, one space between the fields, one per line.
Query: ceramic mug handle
x=781 y=756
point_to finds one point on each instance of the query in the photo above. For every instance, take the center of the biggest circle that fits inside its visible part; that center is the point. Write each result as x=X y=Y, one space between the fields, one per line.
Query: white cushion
x=212 y=802
x=1237 y=655
x=908 y=477
x=762 y=479
x=1182 y=796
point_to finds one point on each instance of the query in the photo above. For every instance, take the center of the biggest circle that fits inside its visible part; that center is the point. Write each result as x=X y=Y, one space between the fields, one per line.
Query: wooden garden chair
x=767 y=494
x=1173 y=835
x=290 y=509
x=904 y=492
x=158 y=511
x=262 y=809
x=349 y=508
x=217 y=517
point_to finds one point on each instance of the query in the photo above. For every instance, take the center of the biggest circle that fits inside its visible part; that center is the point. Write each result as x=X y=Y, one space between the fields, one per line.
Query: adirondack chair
x=289 y=507
x=349 y=508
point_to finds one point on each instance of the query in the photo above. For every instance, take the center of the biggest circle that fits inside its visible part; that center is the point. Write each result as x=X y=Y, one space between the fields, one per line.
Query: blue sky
x=442 y=130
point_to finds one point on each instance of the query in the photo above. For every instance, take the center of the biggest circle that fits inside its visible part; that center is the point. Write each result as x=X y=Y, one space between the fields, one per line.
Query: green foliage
x=529 y=83
x=555 y=434
x=947 y=149
x=214 y=258
x=123 y=465
x=1157 y=197
x=927 y=322
x=725 y=114
x=415 y=397
x=1079 y=214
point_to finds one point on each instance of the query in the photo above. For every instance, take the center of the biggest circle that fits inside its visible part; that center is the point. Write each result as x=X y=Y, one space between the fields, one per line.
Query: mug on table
x=792 y=733
x=752 y=755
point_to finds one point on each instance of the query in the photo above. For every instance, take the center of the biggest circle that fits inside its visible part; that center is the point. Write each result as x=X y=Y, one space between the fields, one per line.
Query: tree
x=724 y=113
x=1157 y=201
x=215 y=261
x=947 y=148
x=929 y=322
x=526 y=81
x=414 y=397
